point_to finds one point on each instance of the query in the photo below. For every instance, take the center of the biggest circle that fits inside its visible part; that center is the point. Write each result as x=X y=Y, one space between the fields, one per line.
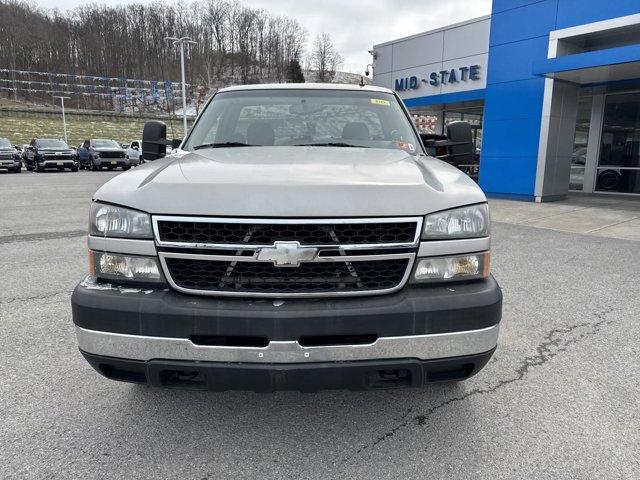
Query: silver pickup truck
x=299 y=238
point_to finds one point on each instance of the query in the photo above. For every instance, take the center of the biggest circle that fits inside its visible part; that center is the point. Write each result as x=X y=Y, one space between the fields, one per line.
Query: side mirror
x=175 y=143
x=154 y=140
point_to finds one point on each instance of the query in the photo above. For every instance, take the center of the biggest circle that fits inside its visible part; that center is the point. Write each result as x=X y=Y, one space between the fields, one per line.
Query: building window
x=579 y=155
x=619 y=162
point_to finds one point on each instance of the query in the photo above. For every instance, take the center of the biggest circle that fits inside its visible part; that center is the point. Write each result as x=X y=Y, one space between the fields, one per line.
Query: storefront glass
x=619 y=161
x=579 y=155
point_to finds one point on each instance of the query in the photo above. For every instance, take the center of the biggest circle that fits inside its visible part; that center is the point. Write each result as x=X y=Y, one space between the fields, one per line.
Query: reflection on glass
x=579 y=155
x=619 y=161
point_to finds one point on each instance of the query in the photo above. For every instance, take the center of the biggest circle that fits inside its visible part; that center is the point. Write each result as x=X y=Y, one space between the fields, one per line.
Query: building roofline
x=437 y=30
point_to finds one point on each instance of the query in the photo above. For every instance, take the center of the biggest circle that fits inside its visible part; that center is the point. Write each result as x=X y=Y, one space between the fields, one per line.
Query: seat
x=260 y=133
x=355 y=131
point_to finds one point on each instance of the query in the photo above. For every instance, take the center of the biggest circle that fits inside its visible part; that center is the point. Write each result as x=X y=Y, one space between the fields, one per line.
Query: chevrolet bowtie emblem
x=287 y=254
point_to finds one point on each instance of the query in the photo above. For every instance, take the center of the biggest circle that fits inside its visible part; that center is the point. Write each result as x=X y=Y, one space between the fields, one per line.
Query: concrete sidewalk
x=601 y=215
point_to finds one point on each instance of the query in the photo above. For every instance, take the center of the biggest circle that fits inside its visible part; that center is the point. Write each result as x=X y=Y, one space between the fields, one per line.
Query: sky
x=354 y=25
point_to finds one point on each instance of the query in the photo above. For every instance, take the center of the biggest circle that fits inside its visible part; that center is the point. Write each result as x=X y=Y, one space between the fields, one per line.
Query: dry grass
x=21 y=127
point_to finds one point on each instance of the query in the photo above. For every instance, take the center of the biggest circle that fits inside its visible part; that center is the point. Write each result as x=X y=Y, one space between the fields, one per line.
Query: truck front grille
x=265 y=278
x=111 y=154
x=286 y=258
x=223 y=233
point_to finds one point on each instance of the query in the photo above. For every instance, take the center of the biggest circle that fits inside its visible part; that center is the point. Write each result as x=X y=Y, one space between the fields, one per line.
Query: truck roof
x=305 y=86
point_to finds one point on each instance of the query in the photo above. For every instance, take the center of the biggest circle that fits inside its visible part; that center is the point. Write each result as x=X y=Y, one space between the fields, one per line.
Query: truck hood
x=293 y=182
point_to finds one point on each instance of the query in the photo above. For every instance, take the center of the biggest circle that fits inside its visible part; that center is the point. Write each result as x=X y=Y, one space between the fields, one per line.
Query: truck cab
x=49 y=153
x=134 y=151
x=97 y=154
x=299 y=238
x=10 y=157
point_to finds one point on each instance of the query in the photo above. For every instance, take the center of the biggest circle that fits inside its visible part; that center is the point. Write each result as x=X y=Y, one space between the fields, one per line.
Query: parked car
x=299 y=238
x=48 y=153
x=9 y=157
x=100 y=153
x=134 y=151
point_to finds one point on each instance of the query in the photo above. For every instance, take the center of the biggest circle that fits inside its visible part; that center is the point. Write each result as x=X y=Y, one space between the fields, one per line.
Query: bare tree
x=236 y=44
x=324 y=58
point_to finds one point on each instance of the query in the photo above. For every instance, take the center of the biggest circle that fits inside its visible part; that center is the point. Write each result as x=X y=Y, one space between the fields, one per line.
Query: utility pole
x=64 y=121
x=182 y=42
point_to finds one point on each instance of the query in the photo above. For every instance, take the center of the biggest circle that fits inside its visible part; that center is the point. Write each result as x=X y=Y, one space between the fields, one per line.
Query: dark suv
x=43 y=153
x=9 y=157
x=99 y=153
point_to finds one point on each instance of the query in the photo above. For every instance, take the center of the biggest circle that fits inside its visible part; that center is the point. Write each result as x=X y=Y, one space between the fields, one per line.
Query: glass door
x=618 y=167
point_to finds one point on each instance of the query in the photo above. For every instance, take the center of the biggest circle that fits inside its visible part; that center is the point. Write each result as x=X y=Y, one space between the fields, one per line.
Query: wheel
x=608 y=180
x=17 y=170
x=74 y=169
x=124 y=169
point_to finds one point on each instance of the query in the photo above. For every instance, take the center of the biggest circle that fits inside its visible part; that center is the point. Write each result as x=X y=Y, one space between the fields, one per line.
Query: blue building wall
x=514 y=95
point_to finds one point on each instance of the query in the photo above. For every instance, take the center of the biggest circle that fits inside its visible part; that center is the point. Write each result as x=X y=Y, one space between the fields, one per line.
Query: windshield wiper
x=222 y=144
x=330 y=144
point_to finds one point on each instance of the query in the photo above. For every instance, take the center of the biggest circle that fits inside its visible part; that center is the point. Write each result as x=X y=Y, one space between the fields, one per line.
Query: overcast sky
x=355 y=25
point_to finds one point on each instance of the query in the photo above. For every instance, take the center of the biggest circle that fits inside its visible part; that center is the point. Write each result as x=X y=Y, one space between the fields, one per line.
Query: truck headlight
x=118 y=267
x=119 y=222
x=465 y=222
x=454 y=268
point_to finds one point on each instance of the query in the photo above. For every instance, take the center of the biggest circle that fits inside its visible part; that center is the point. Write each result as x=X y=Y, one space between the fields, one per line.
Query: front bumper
x=147 y=331
x=311 y=377
x=10 y=164
x=53 y=163
x=112 y=162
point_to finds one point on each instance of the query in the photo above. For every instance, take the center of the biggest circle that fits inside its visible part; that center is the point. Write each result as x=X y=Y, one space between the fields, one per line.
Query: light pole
x=64 y=121
x=182 y=42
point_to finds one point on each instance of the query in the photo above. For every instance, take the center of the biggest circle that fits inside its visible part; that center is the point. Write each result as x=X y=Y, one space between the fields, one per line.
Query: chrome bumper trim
x=122 y=245
x=423 y=347
x=437 y=248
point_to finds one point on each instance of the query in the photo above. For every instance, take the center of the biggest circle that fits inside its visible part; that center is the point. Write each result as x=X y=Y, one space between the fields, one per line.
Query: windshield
x=297 y=117
x=104 y=144
x=51 y=143
x=4 y=143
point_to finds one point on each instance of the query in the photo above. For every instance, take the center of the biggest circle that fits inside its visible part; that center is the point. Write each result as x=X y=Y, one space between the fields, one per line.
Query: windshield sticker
x=406 y=146
x=380 y=101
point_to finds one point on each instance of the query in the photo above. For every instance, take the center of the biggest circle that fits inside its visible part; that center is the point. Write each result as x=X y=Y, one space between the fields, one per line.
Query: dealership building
x=550 y=87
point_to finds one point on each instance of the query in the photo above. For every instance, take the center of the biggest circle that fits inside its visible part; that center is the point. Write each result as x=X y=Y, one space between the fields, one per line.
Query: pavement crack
x=44 y=296
x=553 y=343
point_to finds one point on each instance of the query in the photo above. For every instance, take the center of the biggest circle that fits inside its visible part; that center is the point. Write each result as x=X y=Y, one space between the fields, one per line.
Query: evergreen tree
x=294 y=72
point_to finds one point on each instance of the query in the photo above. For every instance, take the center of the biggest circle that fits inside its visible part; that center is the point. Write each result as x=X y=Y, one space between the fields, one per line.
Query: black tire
x=18 y=170
x=74 y=169
x=608 y=180
x=124 y=169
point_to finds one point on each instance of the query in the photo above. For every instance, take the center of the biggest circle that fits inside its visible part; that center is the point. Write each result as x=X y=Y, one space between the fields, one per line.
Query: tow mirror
x=154 y=140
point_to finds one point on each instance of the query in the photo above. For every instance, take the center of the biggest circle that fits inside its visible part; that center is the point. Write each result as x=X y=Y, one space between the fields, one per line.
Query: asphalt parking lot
x=560 y=398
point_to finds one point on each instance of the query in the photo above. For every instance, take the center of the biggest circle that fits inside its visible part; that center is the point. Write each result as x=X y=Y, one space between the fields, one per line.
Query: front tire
x=74 y=169
x=124 y=169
